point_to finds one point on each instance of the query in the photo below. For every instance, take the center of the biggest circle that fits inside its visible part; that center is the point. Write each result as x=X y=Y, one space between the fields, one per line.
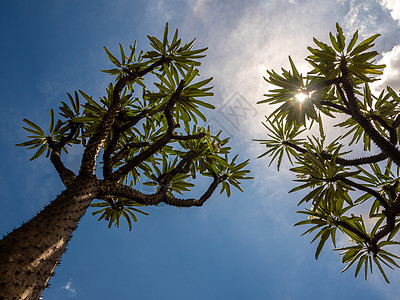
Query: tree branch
x=194 y=202
x=342 y=95
x=390 y=223
x=189 y=137
x=385 y=145
x=392 y=130
x=108 y=188
x=396 y=122
x=117 y=131
x=381 y=122
x=66 y=175
x=363 y=188
x=353 y=230
x=343 y=161
x=390 y=212
x=182 y=168
x=103 y=130
x=125 y=169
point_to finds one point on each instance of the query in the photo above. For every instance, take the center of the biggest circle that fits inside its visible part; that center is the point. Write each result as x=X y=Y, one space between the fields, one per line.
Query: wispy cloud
x=356 y=15
x=391 y=73
x=200 y=7
x=245 y=41
x=70 y=288
x=394 y=7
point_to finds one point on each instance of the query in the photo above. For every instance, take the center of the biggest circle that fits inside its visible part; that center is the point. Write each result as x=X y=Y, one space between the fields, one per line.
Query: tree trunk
x=29 y=254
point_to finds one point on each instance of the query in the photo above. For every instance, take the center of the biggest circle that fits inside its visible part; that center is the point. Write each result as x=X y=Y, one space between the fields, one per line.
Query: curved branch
x=390 y=212
x=103 y=130
x=391 y=129
x=182 y=168
x=117 y=131
x=125 y=169
x=396 y=122
x=189 y=137
x=343 y=161
x=194 y=202
x=390 y=223
x=342 y=95
x=363 y=188
x=66 y=175
x=385 y=145
x=108 y=188
x=353 y=230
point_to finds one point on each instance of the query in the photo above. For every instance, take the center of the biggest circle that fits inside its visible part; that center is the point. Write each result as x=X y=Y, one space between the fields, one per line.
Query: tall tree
x=357 y=197
x=140 y=133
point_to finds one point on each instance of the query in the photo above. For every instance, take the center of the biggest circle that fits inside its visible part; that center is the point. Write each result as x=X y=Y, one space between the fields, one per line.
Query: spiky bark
x=29 y=254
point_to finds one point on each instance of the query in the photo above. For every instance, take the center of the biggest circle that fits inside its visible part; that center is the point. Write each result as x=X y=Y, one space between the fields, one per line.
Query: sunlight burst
x=301 y=97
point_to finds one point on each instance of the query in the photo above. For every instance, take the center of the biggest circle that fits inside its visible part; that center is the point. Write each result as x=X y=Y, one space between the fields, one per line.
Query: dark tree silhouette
x=341 y=186
x=140 y=134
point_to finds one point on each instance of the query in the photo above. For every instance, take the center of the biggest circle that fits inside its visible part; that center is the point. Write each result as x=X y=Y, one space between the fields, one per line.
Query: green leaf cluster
x=150 y=82
x=336 y=184
x=113 y=209
x=327 y=59
x=58 y=129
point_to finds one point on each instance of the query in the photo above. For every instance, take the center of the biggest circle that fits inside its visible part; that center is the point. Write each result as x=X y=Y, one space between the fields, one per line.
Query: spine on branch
x=29 y=254
x=386 y=146
x=102 y=132
x=156 y=146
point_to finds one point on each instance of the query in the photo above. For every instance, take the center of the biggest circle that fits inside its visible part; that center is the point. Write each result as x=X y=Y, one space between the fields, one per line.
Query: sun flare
x=301 y=97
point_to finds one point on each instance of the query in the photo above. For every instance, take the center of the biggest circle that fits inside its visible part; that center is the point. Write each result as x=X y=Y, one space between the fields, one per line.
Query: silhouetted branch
x=103 y=130
x=342 y=161
x=156 y=146
x=385 y=145
x=112 y=188
x=66 y=175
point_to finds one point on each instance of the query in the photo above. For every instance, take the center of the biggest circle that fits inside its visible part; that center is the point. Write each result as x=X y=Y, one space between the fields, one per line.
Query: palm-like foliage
x=339 y=185
x=146 y=126
x=155 y=134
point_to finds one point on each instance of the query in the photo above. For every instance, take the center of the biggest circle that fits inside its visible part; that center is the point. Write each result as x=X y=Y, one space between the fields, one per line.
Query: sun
x=301 y=97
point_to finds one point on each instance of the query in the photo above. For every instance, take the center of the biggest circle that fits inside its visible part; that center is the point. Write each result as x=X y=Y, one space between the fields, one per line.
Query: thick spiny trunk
x=29 y=254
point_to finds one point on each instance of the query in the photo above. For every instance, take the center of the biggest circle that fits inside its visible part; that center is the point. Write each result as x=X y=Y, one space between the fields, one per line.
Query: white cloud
x=200 y=7
x=391 y=73
x=358 y=12
x=245 y=41
x=393 y=6
x=69 y=288
x=160 y=7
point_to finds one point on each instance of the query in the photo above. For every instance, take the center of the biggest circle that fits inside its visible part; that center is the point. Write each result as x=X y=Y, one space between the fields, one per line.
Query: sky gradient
x=242 y=247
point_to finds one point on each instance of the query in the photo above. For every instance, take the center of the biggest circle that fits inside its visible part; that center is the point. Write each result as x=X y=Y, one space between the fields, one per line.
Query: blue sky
x=242 y=247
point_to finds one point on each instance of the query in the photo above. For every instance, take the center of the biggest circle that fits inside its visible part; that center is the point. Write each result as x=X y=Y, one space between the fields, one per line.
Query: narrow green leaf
x=121 y=50
x=352 y=41
x=322 y=241
x=51 y=121
x=113 y=59
x=36 y=128
x=39 y=152
x=381 y=269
